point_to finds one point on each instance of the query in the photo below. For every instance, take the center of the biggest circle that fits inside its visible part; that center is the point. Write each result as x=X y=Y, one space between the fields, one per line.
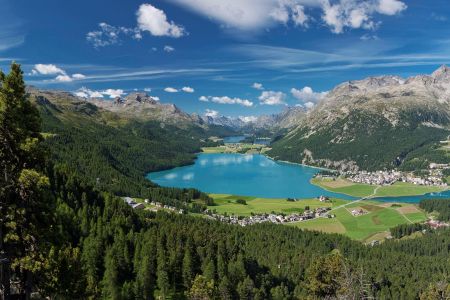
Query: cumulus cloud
x=168 y=49
x=245 y=15
x=48 y=69
x=88 y=93
x=226 y=100
x=149 y=19
x=308 y=96
x=108 y=35
x=63 y=78
x=257 y=86
x=211 y=113
x=248 y=15
x=188 y=89
x=390 y=7
x=154 y=21
x=248 y=119
x=51 y=69
x=170 y=90
x=272 y=98
x=357 y=14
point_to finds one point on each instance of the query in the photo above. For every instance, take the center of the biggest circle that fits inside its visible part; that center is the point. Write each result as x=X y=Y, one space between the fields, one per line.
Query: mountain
x=113 y=144
x=264 y=124
x=144 y=107
x=374 y=123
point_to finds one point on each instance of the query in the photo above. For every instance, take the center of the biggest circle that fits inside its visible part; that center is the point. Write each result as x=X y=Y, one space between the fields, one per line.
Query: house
x=138 y=206
x=357 y=212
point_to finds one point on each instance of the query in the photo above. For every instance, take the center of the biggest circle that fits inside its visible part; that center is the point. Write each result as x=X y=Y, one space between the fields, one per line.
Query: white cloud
x=188 y=89
x=63 y=78
x=257 y=86
x=78 y=76
x=307 y=95
x=309 y=105
x=108 y=35
x=251 y=15
x=272 y=98
x=88 y=93
x=211 y=113
x=226 y=100
x=356 y=13
x=113 y=93
x=169 y=49
x=170 y=90
x=49 y=69
x=391 y=7
x=155 y=21
x=248 y=119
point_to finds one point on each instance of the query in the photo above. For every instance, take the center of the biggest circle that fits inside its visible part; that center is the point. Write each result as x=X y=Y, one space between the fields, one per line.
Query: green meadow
x=227 y=204
x=373 y=225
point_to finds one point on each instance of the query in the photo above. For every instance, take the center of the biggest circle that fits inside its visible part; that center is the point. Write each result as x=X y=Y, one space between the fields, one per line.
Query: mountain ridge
x=356 y=123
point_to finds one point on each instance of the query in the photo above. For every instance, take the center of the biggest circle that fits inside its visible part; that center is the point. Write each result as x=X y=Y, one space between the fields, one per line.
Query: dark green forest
x=378 y=145
x=440 y=206
x=63 y=236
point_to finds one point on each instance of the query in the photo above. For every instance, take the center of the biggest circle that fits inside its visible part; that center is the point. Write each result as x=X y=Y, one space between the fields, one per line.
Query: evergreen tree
x=202 y=289
x=25 y=204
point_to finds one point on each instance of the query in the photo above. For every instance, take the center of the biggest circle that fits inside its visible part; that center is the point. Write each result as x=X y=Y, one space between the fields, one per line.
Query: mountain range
x=374 y=123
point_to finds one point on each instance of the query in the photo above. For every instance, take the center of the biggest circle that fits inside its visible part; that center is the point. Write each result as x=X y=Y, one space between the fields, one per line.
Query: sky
x=221 y=57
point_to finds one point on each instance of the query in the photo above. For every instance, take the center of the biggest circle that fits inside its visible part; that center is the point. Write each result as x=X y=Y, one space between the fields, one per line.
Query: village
x=433 y=178
x=155 y=205
x=321 y=212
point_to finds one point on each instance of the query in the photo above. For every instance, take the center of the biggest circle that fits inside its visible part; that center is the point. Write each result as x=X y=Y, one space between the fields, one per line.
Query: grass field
x=374 y=225
x=227 y=204
x=398 y=189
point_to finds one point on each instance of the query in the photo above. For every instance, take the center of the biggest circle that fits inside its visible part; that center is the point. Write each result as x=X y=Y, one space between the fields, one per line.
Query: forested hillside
x=111 y=151
x=373 y=124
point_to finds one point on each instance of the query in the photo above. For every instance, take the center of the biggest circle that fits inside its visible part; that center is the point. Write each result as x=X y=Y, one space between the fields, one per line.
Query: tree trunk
x=28 y=285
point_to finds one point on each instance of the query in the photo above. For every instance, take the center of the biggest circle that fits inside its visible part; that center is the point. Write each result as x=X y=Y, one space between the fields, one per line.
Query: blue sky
x=294 y=50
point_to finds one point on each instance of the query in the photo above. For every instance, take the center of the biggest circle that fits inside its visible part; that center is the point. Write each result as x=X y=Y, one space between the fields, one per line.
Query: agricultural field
x=398 y=189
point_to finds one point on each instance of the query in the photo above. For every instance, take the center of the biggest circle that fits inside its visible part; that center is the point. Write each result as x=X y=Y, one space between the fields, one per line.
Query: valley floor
x=372 y=225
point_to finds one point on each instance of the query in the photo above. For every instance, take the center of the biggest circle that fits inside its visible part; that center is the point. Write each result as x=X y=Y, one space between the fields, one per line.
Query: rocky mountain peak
x=443 y=73
x=140 y=98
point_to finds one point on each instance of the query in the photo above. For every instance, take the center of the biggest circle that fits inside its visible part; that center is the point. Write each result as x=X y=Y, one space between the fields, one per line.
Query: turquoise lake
x=254 y=175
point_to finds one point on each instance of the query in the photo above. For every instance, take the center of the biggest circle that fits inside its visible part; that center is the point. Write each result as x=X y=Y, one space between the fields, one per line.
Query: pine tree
x=162 y=273
x=188 y=266
x=25 y=204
